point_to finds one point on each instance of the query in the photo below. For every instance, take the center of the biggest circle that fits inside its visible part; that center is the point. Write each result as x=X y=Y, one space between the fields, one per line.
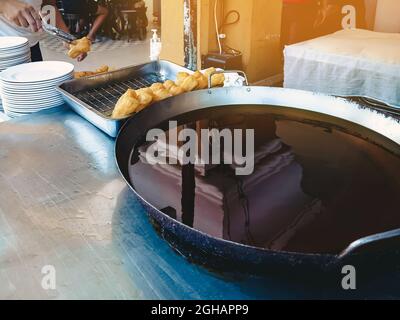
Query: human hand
x=22 y=14
x=79 y=49
x=81 y=57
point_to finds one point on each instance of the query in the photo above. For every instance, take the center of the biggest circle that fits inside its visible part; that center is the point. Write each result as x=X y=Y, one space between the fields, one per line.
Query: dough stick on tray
x=131 y=103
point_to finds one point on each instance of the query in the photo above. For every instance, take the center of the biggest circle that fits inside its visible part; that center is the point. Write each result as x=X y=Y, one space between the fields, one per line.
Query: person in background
x=87 y=9
x=21 y=18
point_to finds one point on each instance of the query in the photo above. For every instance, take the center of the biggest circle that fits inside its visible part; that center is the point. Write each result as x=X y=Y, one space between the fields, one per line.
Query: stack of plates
x=31 y=87
x=13 y=51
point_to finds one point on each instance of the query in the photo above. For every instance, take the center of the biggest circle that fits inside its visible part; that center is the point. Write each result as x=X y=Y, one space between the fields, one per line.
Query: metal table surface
x=64 y=204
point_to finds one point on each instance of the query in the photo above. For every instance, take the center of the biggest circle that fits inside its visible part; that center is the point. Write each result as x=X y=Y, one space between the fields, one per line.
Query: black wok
x=221 y=254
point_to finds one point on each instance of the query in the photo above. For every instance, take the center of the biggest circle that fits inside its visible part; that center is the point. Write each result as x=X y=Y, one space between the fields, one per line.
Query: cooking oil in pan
x=315 y=188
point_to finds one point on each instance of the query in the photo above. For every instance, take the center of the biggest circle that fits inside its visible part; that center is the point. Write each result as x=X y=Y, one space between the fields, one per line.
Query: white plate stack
x=31 y=87
x=13 y=51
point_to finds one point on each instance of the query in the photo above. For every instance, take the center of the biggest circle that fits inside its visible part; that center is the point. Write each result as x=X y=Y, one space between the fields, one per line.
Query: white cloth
x=347 y=63
x=8 y=28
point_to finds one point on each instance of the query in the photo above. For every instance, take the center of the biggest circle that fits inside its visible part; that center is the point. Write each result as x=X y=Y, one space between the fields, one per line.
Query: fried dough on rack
x=126 y=105
x=217 y=80
x=84 y=74
x=78 y=47
x=102 y=69
x=189 y=84
x=157 y=86
x=180 y=77
x=209 y=71
x=197 y=74
x=147 y=90
x=135 y=101
x=176 y=91
x=145 y=98
x=161 y=94
x=203 y=83
x=202 y=79
x=169 y=84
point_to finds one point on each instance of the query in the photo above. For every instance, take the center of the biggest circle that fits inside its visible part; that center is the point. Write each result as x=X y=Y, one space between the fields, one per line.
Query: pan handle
x=385 y=240
x=240 y=72
x=372 y=103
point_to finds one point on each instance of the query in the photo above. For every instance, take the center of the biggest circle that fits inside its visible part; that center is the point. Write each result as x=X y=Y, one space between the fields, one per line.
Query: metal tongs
x=56 y=32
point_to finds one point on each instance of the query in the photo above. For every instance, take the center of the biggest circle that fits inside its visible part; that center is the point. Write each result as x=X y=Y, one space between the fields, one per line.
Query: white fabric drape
x=347 y=63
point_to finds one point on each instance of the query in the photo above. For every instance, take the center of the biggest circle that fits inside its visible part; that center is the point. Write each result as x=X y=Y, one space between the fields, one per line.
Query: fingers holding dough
x=79 y=47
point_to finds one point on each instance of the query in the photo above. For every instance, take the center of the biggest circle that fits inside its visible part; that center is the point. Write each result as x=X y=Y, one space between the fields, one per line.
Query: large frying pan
x=225 y=255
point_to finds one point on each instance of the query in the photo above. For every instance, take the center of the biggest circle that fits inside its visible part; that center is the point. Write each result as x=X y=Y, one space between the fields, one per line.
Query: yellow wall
x=265 y=51
x=256 y=35
x=172 y=31
x=204 y=27
x=238 y=35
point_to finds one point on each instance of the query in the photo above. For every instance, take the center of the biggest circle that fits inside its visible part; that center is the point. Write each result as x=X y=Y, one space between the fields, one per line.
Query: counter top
x=64 y=204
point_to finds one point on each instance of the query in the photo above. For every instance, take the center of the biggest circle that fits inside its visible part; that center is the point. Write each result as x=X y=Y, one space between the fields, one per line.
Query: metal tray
x=94 y=98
